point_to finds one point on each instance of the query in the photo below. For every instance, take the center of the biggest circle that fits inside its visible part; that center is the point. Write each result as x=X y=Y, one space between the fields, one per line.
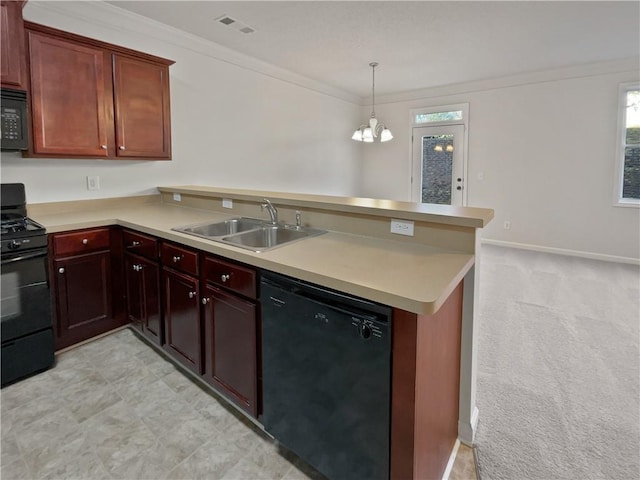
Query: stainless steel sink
x=219 y=229
x=250 y=233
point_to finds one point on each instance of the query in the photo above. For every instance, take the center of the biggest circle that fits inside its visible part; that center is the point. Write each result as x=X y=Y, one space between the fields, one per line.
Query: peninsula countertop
x=415 y=278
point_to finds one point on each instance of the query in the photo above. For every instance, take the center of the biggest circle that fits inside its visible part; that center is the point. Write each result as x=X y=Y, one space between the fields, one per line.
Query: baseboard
x=452 y=460
x=563 y=251
x=467 y=431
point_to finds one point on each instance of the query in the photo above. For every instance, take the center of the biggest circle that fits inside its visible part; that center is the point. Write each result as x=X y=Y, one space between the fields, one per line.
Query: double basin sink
x=250 y=233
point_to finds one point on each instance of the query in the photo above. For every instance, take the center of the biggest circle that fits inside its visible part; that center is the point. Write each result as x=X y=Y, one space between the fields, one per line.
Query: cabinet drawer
x=239 y=279
x=179 y=258
x=140 y=244
x=75 y=243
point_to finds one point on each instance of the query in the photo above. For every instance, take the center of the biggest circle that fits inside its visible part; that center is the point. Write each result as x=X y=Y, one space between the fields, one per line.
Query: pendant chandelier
x=368 y=133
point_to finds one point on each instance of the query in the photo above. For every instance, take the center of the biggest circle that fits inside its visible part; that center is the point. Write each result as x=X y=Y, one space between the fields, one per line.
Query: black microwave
x=13 y=116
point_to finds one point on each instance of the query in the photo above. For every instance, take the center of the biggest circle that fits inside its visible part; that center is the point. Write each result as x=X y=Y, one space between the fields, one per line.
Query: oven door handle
x=27 y=256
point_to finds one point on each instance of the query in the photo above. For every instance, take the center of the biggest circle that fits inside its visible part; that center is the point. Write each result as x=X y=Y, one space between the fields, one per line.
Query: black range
x=26 y=326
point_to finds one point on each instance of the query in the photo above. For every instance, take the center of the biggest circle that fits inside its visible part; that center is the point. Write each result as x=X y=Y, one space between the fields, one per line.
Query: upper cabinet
x=95 y=100
x=12 y=56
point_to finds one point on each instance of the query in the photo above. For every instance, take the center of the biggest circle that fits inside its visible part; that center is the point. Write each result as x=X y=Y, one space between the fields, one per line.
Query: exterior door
x=438 y=165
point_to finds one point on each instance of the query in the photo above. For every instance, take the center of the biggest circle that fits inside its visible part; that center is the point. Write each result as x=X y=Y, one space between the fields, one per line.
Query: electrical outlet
x=507 y=225
x=402 y=227
x=177 y=197
x=93 y=183
x=227 y=203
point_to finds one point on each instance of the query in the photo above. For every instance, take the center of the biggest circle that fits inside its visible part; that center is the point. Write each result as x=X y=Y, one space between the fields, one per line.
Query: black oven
x=26 y=325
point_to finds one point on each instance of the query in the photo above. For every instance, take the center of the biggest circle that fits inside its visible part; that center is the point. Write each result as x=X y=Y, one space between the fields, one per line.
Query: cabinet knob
x=104 y=147
x=192 y=294
x=206 y=300
x=137 y=268
x=61 y=270
x=135 y=244
x=177 y=258
x=121 y=147
x=224 y=277
x=85 y=241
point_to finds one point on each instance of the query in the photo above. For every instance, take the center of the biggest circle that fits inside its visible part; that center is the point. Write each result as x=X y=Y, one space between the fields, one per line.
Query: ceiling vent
x=230 y=22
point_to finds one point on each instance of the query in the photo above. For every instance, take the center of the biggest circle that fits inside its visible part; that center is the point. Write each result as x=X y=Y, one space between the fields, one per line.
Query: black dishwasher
x=326 y=377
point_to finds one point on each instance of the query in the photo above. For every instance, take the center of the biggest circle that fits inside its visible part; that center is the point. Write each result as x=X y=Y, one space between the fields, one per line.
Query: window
x=441 y=115
x=628 y=158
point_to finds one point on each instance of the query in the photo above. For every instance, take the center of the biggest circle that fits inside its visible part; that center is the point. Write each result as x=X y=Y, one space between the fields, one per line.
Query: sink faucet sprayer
x=273 y=213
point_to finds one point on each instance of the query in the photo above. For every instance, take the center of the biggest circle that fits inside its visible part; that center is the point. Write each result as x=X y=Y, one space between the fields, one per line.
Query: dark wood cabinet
x=12 y=52
x=231 y=333
x=90 y=99
x=85 y=284
x=141 y=95
x=69 y=115
x=181 y=289
x=182 y=326
x=230 y=347
x=143 y=295
x=142 y=278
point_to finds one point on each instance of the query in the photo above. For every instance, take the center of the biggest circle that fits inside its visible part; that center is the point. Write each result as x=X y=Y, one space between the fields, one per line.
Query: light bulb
x=449 y=148
x=438 y=148
x=385 y=135
x=367 y=135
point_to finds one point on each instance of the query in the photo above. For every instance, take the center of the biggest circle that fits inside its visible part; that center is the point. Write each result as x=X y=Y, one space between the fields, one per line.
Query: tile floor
x=116 y=409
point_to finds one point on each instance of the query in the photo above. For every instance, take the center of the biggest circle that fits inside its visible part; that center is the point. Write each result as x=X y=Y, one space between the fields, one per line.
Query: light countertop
x=416 y=278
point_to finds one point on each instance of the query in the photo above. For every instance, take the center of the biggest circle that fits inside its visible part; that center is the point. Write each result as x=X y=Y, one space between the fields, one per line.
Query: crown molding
x=631 y=65
x=106 y=15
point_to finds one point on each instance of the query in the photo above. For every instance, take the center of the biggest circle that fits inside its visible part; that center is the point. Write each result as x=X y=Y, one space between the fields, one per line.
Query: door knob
x=176 y=259
x=61 y=270
x=206 y=300
x=85 y=241
x=104 y=147
x=225 y=277
x=192 y=294
x=121 y=147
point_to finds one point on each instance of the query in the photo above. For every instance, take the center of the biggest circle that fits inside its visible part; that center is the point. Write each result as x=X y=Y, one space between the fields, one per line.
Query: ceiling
x=417 y=44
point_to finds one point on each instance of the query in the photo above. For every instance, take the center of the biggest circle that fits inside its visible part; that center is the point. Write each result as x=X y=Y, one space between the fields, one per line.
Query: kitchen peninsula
x=427 y=278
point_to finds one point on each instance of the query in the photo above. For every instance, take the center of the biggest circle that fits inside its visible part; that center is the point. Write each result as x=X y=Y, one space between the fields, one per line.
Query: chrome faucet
x=273 y=212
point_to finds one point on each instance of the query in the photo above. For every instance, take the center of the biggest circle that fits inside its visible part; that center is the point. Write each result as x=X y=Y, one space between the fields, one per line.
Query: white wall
x=231 y=126
x=546 y=146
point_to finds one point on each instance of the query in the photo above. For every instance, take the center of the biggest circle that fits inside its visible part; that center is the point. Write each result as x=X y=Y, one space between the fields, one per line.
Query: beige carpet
x=558 y=367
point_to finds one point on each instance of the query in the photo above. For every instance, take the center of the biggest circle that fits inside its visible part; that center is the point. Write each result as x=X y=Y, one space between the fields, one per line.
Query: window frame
x=621 y=136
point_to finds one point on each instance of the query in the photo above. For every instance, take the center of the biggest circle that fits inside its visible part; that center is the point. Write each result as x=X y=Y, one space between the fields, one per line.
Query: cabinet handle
x=192 y=294
x=206 y=300
x=224 y=277
x=121 y=147
x=61 y=270
x=85 y=241
x=176 y=259
x=135 y=244
x=104 y=147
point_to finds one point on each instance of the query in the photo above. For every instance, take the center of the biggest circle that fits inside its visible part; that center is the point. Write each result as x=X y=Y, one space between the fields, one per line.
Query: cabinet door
x=135 y=291
x=230 y=347
x=142 y=115
x=83 y=297
x=143 y=296
x=182 y=319
x=12 y=45
x=69 y=97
